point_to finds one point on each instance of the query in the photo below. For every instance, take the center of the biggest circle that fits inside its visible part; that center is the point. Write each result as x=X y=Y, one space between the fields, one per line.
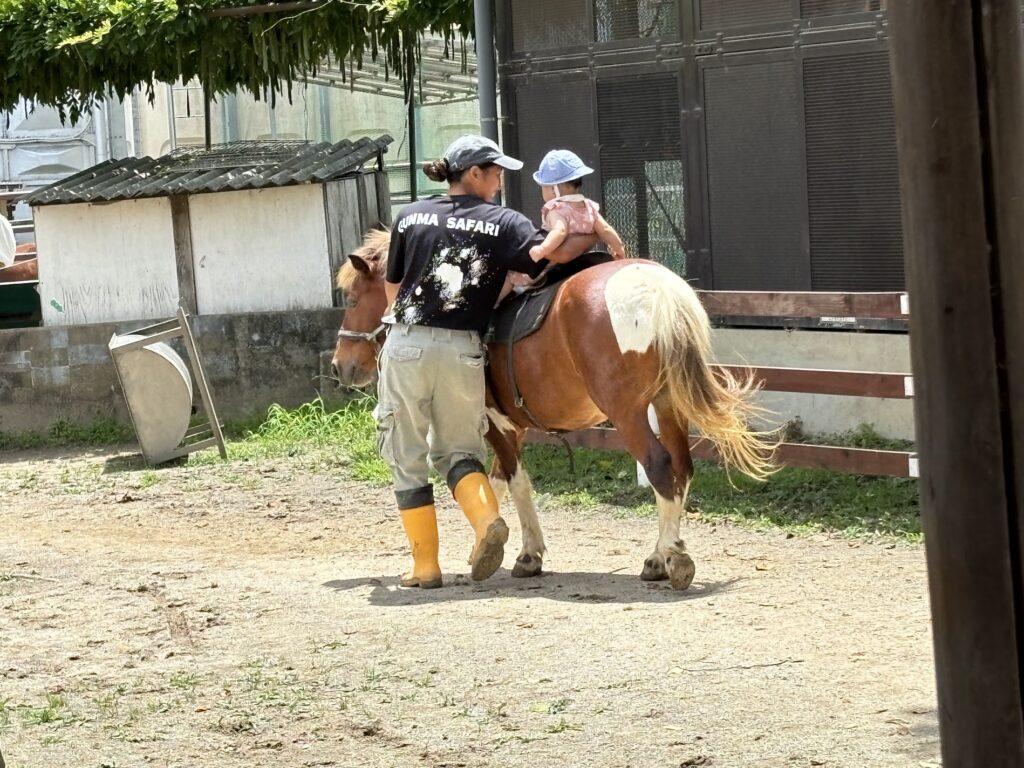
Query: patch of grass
x=27 y=480
x=148 y=479
x=558 y=707
x=602 y=477
x=63 y=433
x=811 y=500
x=562 y=726
x=183 y=681
x=79 y=479
x=801 y=501
x=52 y=712
x=108 y=703
x=347 y=435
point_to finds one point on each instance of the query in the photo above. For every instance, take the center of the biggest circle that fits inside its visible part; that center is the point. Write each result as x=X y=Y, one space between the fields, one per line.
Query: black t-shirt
x=451 y=255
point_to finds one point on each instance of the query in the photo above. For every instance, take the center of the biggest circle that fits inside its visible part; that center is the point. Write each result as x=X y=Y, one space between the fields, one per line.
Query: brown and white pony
x=619 y=337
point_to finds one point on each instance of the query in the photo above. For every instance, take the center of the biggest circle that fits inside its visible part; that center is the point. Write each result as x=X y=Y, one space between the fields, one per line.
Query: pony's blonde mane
x=374 y=251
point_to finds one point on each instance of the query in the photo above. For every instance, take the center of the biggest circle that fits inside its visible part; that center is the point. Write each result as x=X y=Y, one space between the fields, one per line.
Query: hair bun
x=437 y=170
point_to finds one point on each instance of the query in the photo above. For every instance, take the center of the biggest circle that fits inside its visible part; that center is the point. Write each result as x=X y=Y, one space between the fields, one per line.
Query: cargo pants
x=431 y=407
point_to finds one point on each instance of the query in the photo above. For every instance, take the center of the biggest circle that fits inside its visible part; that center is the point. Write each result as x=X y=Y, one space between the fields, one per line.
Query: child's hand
x=519 y=278
x=618 y=253
x=537 y=253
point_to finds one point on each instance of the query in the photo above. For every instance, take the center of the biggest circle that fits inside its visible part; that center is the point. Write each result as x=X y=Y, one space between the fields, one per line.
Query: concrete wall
x=260 y=250
x=834 y=350
x=251 y=361
x=100 y=263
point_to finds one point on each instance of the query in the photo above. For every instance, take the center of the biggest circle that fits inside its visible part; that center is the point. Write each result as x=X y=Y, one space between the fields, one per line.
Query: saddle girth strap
x=519 y=402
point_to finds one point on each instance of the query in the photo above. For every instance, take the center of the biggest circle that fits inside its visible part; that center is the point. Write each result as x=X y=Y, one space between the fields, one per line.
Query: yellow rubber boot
x=420 y=525
x=474 y=495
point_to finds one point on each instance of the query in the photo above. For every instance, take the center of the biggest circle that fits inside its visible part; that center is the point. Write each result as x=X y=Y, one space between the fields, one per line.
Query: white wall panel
x=260 y=250
x=106 y=263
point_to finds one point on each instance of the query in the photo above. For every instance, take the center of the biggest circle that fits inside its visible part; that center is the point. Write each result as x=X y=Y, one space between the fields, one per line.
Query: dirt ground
x=247 y=614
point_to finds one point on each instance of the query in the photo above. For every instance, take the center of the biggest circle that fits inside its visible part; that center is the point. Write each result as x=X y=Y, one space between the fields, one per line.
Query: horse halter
x=363 y=335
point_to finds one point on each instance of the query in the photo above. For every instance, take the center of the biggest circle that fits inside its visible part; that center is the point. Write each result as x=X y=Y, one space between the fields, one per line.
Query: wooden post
x=181 y=225
x=958 y=92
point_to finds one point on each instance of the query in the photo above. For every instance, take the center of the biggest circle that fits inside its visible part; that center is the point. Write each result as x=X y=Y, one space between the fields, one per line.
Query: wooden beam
x=805 y=304
x=851 y=461
x=957 y=88
x=181 y=227
x=824 y=382
x=855 y=461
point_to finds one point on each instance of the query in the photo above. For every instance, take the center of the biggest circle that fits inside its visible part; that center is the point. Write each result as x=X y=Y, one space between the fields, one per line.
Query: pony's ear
x=362 y=267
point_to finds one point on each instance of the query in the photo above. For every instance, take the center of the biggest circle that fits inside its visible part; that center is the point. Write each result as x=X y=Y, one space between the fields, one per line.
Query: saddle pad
x=519 y=316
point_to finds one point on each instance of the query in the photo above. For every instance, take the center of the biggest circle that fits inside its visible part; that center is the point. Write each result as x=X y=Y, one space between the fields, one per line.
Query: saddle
x=520 y=316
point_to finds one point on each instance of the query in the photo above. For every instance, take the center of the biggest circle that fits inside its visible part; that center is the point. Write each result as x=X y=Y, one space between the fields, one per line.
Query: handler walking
x=448 y=260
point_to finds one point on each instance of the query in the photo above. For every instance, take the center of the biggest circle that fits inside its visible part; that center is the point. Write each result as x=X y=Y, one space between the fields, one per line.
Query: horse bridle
x=363 y=335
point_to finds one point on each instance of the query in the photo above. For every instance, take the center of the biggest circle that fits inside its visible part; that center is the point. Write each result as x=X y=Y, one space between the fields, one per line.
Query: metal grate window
x=552 y=113
x=633 y=19
x=726 y=14
x=641 y=165
x=541 y=24
x=757 y=196
x=852 y=174
x=810 y=8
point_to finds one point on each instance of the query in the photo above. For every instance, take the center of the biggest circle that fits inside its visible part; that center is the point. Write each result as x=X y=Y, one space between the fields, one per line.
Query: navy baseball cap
x=469 y=150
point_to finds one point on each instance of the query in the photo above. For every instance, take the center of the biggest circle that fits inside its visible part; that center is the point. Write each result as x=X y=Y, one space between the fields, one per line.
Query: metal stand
x=148 y=415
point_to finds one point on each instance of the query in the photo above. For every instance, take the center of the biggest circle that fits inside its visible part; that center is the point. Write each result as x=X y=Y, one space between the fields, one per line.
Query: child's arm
x=556 y=236
x=610 y=237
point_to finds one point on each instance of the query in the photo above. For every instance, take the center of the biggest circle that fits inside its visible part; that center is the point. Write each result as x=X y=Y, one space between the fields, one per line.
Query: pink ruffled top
x=581 y=221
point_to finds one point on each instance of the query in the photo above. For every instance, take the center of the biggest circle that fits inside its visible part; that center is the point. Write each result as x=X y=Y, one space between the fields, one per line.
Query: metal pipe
x=410 y=75
x=172 y=130
x=487 y=84
x=99 y=125
x=207 y=119
x=131 y=146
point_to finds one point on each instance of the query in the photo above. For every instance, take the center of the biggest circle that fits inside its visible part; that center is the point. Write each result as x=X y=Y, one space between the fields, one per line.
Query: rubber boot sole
x=490 y=551
x=416 y=581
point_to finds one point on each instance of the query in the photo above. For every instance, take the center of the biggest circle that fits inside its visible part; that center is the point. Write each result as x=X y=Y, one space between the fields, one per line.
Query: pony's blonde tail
x=716 y=403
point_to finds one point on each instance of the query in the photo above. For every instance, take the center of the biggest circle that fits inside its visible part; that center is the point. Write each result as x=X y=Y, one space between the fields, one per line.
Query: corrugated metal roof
x=223 y=167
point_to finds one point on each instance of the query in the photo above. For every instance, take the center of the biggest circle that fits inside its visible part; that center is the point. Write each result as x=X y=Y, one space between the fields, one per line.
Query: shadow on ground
x=571 y=587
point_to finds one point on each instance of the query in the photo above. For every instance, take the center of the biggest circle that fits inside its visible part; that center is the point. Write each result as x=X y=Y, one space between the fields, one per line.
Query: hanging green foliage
x=67 y=53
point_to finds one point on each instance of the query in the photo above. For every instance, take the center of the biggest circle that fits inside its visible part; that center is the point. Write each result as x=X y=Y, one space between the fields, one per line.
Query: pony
x=619 y=337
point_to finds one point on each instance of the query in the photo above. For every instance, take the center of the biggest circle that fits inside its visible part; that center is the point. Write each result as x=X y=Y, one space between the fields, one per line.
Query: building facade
x=748 y=144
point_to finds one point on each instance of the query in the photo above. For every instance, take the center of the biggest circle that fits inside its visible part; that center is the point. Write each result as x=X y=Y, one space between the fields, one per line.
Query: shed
x=240 y=227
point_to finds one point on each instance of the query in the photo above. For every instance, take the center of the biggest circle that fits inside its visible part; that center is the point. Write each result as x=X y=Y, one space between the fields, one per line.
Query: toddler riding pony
x=618 y=337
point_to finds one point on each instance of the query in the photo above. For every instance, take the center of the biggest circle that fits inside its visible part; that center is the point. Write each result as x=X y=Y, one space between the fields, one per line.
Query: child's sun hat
x=560 y=166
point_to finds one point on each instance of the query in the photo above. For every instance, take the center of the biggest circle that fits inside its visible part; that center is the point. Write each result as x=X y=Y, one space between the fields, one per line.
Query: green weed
x=52 y=712
x=562 y=726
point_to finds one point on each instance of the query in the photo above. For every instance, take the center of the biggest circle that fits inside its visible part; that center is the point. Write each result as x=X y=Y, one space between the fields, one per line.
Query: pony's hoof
x=527 y=566
x=654 y=569
x=680 y=570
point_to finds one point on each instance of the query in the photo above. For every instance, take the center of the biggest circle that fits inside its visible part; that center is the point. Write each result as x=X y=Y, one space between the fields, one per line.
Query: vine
x=69 y=53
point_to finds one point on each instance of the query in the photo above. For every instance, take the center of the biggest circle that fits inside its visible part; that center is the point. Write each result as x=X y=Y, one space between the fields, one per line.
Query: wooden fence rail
x=861 y=461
